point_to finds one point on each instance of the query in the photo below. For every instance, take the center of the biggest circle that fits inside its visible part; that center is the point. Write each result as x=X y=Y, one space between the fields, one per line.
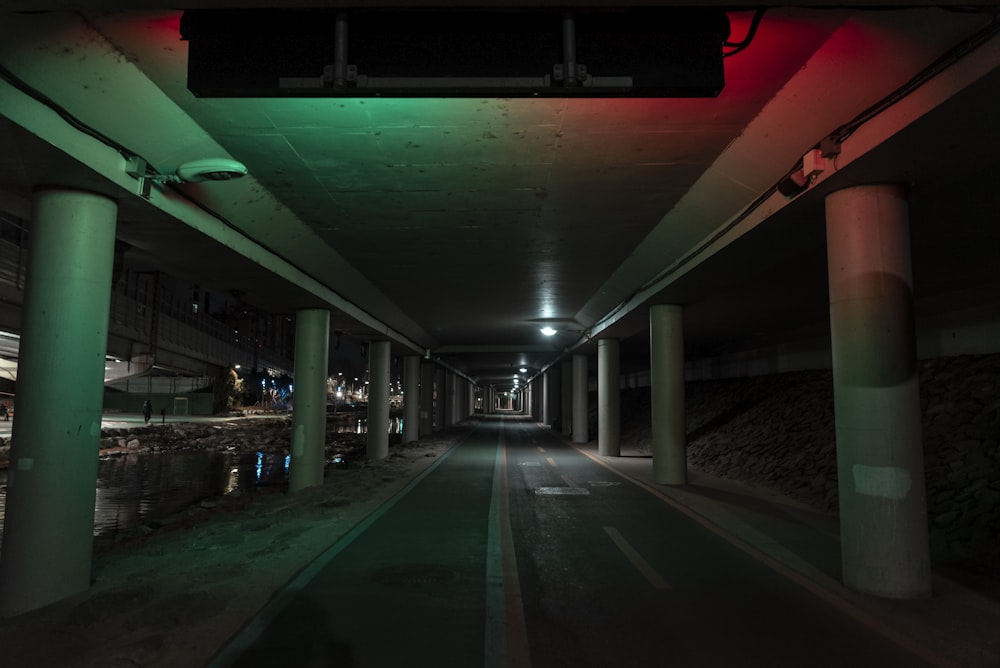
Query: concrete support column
x=449 y=399
x=379 y=362
x=546 y=399
x=439 y=399
x=608 y=398
x=553 y=398
x=883 y=508
x=411 y=398
x=49 y=522
x=566 y=394
x=581 y=409
x=456 y=398
x=312 y=351
x=666 y=362
x=426 y=398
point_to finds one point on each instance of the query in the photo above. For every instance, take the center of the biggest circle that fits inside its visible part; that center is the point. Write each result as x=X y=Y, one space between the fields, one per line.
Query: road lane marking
x=640 y=564
x=551 y=462
x=561 y=491
x=506 y=630
x=820 y=585
x=541 y=449
x=569 y=481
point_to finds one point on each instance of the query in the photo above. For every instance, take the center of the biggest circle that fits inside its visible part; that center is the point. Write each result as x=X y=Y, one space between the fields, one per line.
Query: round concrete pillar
x=883 y=513
x=439 y=398
x=450 y=402
x=566 y=396
x=312 y=351
x=666 y=367
x=546 y=399
x=426 y=421
x=49 y=519
x=379 y=358
x=411 y=398
x=608 y=398
x=581 y=409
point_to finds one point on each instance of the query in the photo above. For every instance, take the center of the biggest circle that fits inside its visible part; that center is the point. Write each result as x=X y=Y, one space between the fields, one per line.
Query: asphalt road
x=517 y=549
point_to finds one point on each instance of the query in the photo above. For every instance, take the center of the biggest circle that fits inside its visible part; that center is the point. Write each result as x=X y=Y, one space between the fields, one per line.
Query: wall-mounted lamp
x=809 y=168
x=793 y=184
x=209 y=169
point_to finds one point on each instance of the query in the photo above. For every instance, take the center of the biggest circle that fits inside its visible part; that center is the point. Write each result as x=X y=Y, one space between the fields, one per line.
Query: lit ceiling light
x=547 y=331
x=523 y=369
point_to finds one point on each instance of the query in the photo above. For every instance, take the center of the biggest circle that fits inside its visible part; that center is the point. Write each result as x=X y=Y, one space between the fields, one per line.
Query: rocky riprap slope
x=777 y=432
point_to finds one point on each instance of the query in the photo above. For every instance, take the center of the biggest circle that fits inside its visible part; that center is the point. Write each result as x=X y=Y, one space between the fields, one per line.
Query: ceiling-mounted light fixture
x=808 y=169
x=196 y=171
x=210 y=169
x=547 y=331
x=794 y=183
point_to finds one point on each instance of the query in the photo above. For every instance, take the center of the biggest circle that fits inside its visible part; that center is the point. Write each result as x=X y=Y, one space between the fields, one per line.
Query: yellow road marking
x=641 y=564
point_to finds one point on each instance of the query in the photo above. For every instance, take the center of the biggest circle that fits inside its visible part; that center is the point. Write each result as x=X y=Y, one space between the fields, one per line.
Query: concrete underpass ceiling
x=460 y=226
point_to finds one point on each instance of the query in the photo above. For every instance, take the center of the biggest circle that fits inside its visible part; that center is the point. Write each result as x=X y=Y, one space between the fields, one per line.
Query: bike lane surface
x=612 y=575
x=406 y=587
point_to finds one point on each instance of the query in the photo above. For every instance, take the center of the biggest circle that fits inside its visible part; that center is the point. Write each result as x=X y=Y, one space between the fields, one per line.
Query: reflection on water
x=360 y=426
x=271 y=468
x=139 y=488
x=143 y=487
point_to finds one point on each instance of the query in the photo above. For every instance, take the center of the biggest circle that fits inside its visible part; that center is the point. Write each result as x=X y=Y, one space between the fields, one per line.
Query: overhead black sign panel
x=615 y=52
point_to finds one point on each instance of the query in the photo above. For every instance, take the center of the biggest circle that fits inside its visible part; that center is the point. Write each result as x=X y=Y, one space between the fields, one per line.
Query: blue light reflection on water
x=271 y=467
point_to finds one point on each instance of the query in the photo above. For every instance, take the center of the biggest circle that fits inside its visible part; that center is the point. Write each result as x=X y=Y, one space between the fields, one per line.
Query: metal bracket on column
x=137 y=168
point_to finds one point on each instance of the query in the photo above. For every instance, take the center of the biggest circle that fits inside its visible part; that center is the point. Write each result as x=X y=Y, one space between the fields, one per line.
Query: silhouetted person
x=147 y=411
x=3 y=412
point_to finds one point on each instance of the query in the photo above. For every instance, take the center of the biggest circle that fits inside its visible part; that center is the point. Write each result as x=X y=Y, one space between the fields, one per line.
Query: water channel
x=138 y=488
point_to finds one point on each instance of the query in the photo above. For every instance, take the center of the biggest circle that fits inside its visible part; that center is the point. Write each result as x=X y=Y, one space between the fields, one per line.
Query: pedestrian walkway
x=956 y=627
